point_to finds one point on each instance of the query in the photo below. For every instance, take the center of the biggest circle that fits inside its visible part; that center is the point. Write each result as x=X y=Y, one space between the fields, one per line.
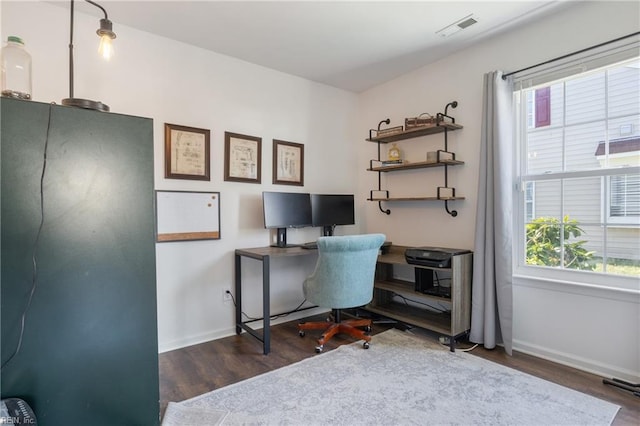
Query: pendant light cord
x=71 y=54
x=34 y=262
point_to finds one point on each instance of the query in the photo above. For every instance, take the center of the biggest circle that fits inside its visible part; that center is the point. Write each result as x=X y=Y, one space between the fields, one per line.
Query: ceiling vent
x=460 y=25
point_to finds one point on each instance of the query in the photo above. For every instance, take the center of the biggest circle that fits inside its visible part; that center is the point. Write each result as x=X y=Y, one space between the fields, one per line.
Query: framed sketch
x=288 y=163
x=186 y=152
x=242 y=158
x=187 y=216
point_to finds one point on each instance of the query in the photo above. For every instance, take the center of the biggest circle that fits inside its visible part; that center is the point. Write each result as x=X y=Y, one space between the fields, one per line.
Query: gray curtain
x=492 y=302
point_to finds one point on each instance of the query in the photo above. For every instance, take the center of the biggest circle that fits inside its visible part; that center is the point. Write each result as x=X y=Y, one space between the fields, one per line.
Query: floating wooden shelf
x=416 y=165
x=439 y=323
x=414 y=199
x=415 y=132
x=406 y=288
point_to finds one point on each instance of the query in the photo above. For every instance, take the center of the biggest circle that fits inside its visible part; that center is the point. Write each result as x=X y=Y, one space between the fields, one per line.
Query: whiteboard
x=187 y=216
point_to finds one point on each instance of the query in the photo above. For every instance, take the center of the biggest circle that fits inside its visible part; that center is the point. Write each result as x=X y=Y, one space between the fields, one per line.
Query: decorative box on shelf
x=387 y=163
x=424 y=119
x=388 y=132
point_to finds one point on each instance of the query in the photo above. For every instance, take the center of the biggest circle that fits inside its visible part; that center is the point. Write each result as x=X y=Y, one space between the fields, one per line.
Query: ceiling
x=352 y=45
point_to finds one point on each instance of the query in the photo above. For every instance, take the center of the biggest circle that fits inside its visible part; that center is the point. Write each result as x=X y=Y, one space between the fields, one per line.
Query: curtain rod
x=504 y=76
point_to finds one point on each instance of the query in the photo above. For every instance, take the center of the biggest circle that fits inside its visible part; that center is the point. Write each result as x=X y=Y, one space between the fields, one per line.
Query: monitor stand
x=281 y=239
x=327 y=231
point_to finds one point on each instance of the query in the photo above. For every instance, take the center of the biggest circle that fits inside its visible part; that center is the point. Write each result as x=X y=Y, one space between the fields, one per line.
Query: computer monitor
x=329 y=210
x=284 y=210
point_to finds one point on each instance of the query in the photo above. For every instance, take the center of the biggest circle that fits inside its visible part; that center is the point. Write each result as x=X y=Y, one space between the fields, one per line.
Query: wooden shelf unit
x=387 y=291
x=441 y=126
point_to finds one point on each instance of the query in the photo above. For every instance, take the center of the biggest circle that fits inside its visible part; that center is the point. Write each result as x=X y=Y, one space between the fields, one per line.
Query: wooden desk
x=264 y=255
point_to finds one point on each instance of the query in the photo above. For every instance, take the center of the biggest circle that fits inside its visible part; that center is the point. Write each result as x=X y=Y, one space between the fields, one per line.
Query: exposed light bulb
x=106 y=35
x=106 y=47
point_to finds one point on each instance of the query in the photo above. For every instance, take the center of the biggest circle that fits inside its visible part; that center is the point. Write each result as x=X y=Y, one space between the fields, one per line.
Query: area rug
x=401 y=380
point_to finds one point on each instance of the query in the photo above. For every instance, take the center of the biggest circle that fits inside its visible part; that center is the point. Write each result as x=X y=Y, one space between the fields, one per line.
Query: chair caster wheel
x=365 y=345
x=301 y=333
x=319 y=349
x=368 y=329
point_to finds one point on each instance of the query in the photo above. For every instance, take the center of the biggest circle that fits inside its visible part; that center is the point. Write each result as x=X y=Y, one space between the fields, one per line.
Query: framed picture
x=242 y=158
x=288 y=163
x=186 y=152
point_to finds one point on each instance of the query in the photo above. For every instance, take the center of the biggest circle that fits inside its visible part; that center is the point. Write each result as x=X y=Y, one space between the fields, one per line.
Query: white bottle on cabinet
x=16 y=69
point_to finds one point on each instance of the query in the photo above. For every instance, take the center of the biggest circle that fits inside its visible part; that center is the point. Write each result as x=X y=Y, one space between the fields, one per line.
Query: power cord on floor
x=444 y=341
x=272 y=317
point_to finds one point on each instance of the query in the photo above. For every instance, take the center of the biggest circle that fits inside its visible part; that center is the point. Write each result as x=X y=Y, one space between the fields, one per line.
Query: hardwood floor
x=194 y=370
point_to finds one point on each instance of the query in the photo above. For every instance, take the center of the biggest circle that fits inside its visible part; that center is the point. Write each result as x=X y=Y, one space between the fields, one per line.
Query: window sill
x=620 y=288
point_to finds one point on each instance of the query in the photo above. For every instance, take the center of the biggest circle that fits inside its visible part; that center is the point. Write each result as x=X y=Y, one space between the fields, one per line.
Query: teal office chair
x=343 y=278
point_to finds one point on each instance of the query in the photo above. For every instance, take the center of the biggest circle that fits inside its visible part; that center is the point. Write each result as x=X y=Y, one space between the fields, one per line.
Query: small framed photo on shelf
x=288 y=163
x=186 y=152
x=242 y=158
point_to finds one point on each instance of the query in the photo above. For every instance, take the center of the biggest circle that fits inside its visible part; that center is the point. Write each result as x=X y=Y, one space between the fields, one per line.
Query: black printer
x=435 y=257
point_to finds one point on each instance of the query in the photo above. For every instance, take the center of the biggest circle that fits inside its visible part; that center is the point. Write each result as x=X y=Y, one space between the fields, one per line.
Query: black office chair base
x=320 y=348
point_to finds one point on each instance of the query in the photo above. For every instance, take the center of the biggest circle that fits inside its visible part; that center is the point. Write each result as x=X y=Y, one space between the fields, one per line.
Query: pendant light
x=106 y=51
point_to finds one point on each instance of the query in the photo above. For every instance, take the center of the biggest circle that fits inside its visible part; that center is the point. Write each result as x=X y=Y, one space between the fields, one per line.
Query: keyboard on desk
x=312 y=245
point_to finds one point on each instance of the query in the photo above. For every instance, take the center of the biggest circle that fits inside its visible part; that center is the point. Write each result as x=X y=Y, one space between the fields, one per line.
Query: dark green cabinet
x=89 y=352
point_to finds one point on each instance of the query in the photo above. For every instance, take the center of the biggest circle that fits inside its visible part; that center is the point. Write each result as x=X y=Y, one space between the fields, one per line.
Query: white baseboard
x=226 y=332
x=194 y=340
x=571 y=360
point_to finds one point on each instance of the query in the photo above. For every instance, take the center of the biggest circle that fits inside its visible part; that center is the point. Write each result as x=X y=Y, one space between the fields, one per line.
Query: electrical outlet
x=226 y=295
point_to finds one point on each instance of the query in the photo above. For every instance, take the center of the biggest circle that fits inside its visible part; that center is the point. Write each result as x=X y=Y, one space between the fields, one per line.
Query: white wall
x=591 y=329
x=172 y=82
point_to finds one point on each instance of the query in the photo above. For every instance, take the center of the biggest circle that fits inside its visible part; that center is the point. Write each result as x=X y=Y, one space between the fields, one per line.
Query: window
x=624 y=190
x=625 y=198
x=579 y=171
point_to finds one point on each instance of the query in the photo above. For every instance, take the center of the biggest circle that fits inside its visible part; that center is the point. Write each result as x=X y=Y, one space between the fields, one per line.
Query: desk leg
x=266 y=306
x=238 y=283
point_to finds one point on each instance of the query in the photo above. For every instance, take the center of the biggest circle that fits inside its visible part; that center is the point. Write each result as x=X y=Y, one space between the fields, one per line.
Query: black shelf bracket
x=440 y=116
x=387 y=211
x=385 y=121
x=386 y=192
x=453 y=213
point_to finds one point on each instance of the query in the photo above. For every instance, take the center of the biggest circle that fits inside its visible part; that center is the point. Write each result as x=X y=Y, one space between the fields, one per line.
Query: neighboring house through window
x=624 y=190
x=543 y=107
